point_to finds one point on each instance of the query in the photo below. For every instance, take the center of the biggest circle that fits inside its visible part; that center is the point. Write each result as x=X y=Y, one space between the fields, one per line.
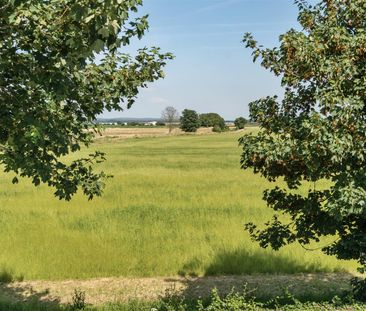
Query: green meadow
x=176 y=206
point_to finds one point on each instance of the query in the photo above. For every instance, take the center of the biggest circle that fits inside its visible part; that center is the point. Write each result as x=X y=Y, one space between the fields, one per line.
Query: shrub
x=359 y=289
x=217 y=129
x=78 y=300
x=6 y=276
x=133 y=123
x=240 y=123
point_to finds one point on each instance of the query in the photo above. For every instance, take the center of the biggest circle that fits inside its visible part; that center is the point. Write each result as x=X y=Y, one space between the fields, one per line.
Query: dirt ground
x=100 y=291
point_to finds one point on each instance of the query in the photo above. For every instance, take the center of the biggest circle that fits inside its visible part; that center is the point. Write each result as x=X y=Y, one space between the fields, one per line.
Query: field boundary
x=125 y=133
x=104 y=290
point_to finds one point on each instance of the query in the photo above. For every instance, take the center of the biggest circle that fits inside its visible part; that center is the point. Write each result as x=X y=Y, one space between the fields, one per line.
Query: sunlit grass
x=176 y=205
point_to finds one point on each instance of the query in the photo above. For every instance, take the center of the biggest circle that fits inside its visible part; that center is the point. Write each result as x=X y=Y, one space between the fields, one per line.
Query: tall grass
x=176 y=205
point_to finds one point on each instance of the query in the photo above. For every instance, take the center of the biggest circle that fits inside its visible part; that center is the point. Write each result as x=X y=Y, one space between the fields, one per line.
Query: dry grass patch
x=146 y=132
x=104 y=290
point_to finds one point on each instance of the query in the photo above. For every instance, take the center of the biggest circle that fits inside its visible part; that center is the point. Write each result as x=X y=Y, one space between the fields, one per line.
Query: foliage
x=170 y=115
x=359 y=289
x=78 y=300
x=246 y=300
x=189 y=121
x=133 y=123
x=5 y=276
x=194 y=306
x=233 y=301
x=60 y=67
x=217 y=129
x=174 y=300
x=240 y=123
x=212 y=120
x=317 y=132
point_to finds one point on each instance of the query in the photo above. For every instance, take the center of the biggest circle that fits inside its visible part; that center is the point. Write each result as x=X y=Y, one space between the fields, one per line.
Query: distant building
x=153 y=123
x=108 y=123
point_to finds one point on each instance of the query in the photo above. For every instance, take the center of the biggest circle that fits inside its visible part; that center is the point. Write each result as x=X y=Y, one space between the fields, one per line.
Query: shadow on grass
x=240 y=268
x=19 y=296
x=241 y=261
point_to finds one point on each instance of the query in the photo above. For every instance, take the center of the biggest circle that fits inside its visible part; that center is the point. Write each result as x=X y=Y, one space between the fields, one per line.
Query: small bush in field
x=78 y=300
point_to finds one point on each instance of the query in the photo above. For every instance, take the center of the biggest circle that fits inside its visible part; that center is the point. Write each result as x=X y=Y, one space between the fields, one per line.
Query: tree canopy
x=240 y=123
x=316 y=136
x=189 y=121
x=212 y=119
x=61 y=65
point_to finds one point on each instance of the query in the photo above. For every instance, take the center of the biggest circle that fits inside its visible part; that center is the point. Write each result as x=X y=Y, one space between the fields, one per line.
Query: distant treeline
x=188 y=121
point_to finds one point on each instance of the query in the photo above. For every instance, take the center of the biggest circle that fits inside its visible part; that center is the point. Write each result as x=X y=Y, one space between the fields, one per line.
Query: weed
x=6 y=276
x=78 y=300
x=359 y=289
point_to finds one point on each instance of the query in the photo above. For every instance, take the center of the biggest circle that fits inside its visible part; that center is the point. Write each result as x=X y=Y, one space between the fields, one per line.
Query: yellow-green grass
x=176 y=205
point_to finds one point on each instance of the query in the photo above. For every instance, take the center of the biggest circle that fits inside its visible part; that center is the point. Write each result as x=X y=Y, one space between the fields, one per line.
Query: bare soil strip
x=121 y=133
x=100 y=291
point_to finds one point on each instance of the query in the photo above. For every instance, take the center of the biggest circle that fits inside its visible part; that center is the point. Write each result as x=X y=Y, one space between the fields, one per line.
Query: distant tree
x=212 y=119
x=61 y=65
x=170 y=115
x=240 y=123
x=189 y=121
x=159 y=123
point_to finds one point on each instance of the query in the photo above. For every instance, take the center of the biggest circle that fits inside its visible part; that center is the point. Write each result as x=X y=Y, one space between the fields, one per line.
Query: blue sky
x=212 y=71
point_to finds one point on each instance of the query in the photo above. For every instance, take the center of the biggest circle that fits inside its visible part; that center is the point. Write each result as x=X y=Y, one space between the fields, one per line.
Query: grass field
x=176 y=205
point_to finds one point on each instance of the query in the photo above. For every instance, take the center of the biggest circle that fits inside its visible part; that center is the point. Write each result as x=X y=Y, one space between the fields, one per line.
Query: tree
x=170 y=116
x=133 y=123
x=240 y=123
x=60 y=67
x=212 y=119
x=317 y=133
x=189 y=121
